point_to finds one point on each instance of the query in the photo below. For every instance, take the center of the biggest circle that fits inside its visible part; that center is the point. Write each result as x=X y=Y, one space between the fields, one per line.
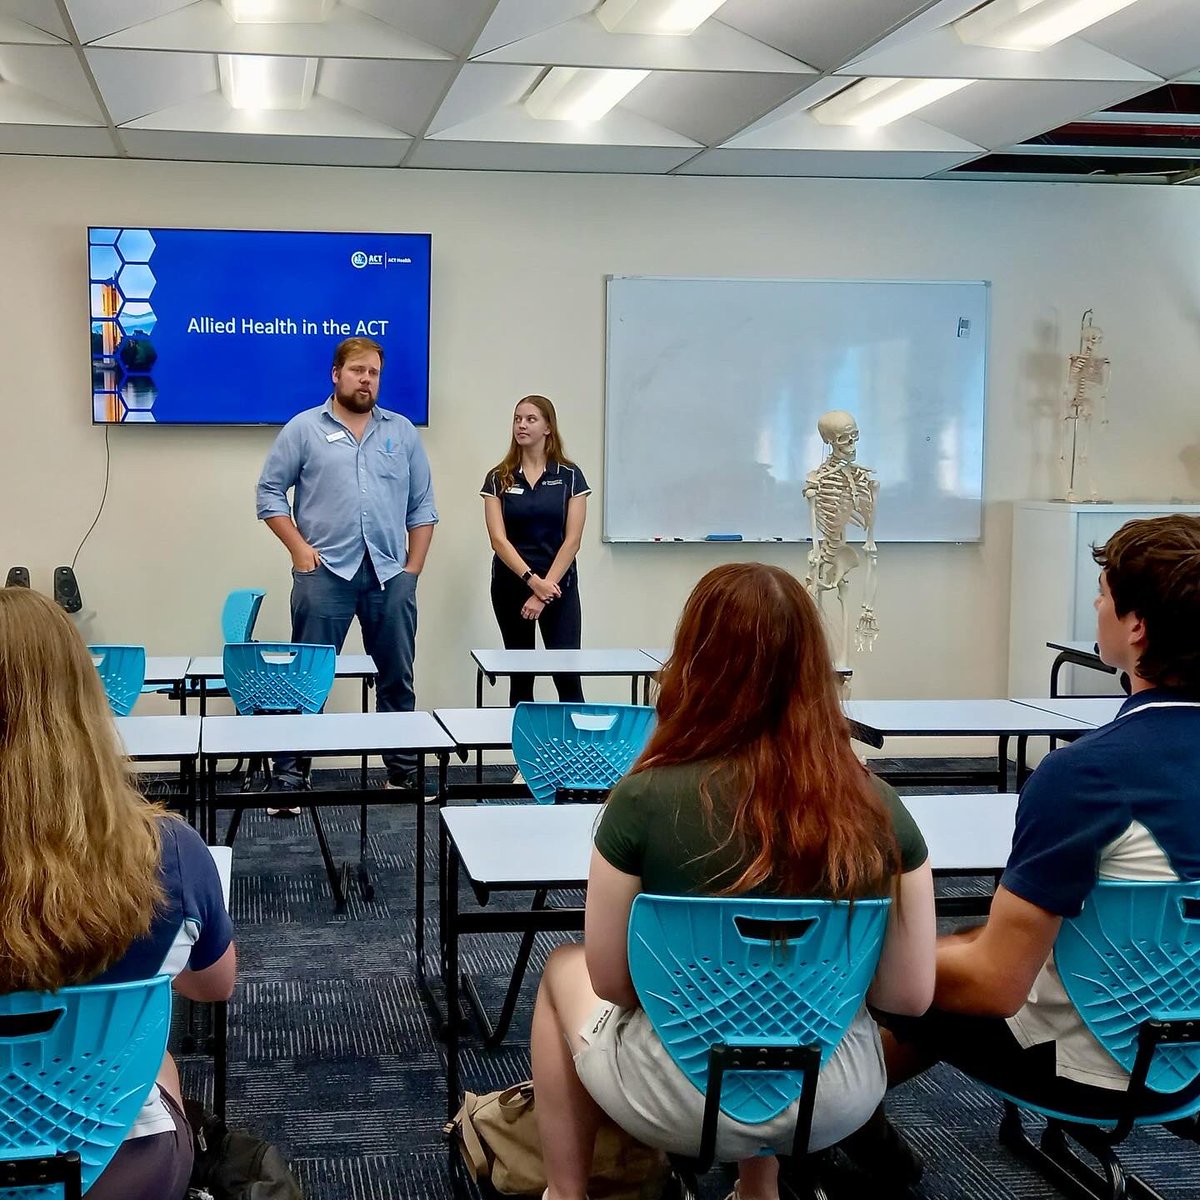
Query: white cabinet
x=1054 y=582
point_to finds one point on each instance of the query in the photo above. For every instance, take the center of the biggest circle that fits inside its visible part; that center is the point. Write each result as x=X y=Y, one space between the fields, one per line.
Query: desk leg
x=1059 y=662
x=452 y=1036
x=437 y=1017
x=419 y=870
x=1002 y=764
x=479 y=688
x=1023 y=771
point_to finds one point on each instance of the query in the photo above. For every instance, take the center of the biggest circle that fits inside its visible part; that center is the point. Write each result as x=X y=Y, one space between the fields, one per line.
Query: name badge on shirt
x=514 y=491
x=334 y=437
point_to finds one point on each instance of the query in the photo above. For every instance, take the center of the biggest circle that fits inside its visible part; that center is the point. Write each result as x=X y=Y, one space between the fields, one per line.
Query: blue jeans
x=323 y=605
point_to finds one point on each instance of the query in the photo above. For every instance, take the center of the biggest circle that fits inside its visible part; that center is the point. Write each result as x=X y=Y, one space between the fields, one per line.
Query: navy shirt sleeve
x=1068 y=812
x=491 y=485
x=203 y=903
x=579 y=485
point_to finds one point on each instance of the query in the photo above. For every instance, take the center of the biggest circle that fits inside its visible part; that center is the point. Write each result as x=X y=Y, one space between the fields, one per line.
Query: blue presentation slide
x=238 y=327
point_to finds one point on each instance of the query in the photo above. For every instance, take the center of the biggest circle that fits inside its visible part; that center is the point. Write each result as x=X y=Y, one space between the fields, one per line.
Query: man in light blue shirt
x=358 y=530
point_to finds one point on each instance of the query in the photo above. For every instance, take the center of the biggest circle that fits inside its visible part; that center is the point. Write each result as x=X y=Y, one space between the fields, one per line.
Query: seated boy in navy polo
x=1119 y=803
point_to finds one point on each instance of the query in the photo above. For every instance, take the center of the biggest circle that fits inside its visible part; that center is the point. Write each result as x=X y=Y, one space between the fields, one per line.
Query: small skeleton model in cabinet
x=1085 y=393
x=840 y=493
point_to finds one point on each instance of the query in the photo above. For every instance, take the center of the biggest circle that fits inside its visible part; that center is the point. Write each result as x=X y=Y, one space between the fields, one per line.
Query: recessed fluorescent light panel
x=875 y=102
x=266 y=81
x=1032 y=24
x=580 y=93
x=655 y=16
x=272 y=12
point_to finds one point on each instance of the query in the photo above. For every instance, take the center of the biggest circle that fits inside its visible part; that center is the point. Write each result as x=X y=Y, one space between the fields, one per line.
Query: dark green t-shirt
x=654 y=826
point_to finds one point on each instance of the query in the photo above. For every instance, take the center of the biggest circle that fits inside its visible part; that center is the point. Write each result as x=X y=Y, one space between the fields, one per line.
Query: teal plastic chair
x=1130 y=963
x=76 y=1067
x=122 y=671
x=281 y=678
x=577 y=751
x=750 y=997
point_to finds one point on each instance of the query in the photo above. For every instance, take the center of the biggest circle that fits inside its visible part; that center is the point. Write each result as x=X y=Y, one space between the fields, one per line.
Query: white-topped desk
x=637 y=664
x=1079 y=654
x=165 y=739
x=1001 y=719
x=477 y=728
x=1093 y=710
x=322 y=735
x=529 y=847
x=208 y=667
x=165 y=671
x=660 y=654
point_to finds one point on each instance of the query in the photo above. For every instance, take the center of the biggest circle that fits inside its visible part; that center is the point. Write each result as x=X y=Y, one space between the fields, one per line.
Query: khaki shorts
x=630 y=1075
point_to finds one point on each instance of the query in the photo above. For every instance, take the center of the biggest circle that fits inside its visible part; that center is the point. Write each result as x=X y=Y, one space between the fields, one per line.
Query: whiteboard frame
x=852 y=534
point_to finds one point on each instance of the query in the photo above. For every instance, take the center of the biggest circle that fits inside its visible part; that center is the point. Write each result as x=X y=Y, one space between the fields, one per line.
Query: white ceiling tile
x=136 y=82
x=709 y=107
x=37 y=14
x=78 y=140
x=822 y=163
x=500 y=156
x=513 y=124
x=1161 y=35
x=226 y=147
x=400 y=94
x=823 y=32
x=478 y=89
x=800 y=131
x=997 y=113
x=449 y=26
x=22 y=33
x=940 y=54
x=320 y=118
x=93 y=19
x=21 y=106
x=513 y=20
x=584 y=42
x=55 y=73
x=206 y=25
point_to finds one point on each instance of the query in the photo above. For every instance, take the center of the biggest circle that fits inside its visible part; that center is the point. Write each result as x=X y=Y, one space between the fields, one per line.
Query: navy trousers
x=560 y=624
x=324 y=604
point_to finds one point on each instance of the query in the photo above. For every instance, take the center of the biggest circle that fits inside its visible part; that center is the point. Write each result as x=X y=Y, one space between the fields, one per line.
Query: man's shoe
x=406 y=780
x=283 y=812
x=878 y=1158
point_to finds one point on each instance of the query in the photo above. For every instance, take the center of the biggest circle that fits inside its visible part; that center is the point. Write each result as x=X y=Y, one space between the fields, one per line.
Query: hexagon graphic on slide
x=136 y=281
x=103 y=237
x=135 y=245
x=136 y=317
x=103 y=263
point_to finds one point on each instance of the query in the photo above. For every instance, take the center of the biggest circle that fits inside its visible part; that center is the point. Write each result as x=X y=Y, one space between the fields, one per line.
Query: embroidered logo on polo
x=553 y=483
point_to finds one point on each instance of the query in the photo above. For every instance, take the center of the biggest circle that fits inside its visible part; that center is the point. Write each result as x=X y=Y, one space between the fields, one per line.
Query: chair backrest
x=1133 y=955
x=239 y=613
x=76 y=1067
x=577 y=745
x=737 y=971
x=122 y=671
x=278 y=677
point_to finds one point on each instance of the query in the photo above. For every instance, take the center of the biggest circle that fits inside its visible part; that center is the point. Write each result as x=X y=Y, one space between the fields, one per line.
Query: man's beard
x=357 y=402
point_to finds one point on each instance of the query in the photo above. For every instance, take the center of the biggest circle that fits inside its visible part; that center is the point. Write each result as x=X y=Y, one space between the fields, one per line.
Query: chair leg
x=1056 y=1160
x=331 y=868
x=681 y=1182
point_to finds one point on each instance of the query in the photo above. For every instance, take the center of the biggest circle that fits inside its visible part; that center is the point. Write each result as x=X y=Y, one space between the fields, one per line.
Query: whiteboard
x=714 y=387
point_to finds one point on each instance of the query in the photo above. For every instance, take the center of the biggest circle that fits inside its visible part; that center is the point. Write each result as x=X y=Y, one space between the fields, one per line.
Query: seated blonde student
x=748 y=786
x=97 y=885
x=1119 y=803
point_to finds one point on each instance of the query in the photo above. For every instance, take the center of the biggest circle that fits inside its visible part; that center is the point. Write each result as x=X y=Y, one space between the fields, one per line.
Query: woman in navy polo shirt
x=535 y=504
x=98 y=886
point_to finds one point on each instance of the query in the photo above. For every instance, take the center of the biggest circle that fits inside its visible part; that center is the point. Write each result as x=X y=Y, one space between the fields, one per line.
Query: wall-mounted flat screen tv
x=238 y=327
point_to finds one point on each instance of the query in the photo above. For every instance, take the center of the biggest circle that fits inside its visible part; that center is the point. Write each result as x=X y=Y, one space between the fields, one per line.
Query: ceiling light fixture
x=881 y=101
x=580 y=93
x=655 y=16
x=271 y=12
x=1032 y=24
x=267 y=81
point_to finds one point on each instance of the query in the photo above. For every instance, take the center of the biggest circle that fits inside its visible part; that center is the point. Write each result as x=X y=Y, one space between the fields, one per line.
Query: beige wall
x=518 y=306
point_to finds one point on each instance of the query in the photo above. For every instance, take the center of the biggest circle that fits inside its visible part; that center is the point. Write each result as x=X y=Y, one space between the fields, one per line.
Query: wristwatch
x=527 y=576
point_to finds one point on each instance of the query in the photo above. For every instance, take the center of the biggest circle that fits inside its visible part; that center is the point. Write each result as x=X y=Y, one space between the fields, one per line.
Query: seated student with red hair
x=748 y=786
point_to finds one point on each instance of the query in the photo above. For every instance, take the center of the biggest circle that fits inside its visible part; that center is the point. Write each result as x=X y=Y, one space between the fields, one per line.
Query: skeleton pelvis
x=836 y=563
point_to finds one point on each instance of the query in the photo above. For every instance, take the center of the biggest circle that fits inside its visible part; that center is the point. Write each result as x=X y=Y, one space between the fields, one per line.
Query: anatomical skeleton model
x=840 y=493
x=1086 y=392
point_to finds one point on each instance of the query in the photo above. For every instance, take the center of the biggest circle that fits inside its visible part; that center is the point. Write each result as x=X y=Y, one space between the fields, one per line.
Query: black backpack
x=235 y=1165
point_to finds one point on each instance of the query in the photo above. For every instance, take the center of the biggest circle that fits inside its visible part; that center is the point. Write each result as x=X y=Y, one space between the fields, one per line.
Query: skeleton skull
x=839 y=431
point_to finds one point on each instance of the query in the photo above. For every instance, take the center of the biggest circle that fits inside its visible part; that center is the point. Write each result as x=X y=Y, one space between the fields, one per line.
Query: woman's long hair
x=79 y=847
x=750 y=689
x=506 y=470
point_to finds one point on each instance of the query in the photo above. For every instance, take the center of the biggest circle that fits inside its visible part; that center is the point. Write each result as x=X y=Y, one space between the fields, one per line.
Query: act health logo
x=359 y=259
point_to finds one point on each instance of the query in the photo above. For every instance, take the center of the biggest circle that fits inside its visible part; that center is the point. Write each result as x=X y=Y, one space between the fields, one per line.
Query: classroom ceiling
x=506 y=85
